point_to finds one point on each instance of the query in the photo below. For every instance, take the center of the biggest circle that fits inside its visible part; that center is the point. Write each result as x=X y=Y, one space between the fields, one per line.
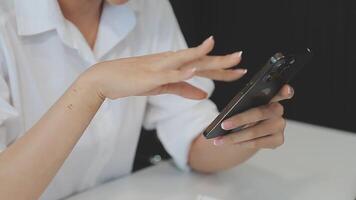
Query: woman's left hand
x=265 y=125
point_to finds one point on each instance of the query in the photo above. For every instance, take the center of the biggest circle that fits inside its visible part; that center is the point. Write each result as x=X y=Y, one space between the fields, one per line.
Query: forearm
x=29 y=164
x=205 y=157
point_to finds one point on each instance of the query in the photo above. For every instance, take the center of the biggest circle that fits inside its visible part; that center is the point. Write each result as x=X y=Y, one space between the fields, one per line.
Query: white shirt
x=41 y=54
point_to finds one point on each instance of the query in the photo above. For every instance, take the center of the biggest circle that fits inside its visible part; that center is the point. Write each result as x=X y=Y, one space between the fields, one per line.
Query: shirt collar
x=37 y=16
x=116 y=22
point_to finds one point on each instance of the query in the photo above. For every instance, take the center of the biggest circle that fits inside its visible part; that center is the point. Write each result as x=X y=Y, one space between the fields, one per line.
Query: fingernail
x=242 y=71
x=208 y=39
x=237 y=54
x=189 y=73
x=205 y=95
x=290 y=91
x=193 y=70
x=226 y=125
x=218 y=142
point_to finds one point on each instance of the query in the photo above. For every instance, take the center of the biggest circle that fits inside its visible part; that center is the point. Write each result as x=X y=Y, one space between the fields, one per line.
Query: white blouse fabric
x=41 y=54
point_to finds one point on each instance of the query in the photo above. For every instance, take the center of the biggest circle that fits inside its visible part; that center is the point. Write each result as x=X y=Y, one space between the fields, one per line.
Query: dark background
x=324 y=90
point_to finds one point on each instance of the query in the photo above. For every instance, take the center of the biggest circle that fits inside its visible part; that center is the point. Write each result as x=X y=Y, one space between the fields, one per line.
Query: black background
x=324 y=90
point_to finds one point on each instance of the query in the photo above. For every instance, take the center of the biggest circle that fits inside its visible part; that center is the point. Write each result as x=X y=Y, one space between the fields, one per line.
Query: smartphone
x=279 y=70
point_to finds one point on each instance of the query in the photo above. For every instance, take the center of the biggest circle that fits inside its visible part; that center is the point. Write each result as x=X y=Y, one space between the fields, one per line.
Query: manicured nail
x=290 y=91
x=218 y=142
x=208 y=39
x=226 y=125
x=191 y=71
x=237 y=55
x=242 y=71
x=205 y=95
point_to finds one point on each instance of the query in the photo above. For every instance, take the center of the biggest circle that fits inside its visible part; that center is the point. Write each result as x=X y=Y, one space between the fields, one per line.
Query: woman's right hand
x=162 y=73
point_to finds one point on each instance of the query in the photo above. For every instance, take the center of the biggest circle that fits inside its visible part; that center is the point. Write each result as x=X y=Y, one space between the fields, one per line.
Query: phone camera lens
x=278 y=60
x=278 y=66
x=268 y=78
x=273 y=60
x=277 y=57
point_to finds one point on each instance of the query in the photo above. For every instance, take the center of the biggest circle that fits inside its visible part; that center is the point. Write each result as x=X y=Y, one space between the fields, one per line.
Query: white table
x=315 y=163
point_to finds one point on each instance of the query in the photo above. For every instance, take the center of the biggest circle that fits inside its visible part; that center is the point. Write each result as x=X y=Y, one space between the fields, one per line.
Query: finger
x=181 y=57
x=267 y=142
x=183 y=89
x=286 y=92
x=147 y=58
x=174 y=76
x=262 y=129
x=216 y=62
x=223 y=75
x=253 y=115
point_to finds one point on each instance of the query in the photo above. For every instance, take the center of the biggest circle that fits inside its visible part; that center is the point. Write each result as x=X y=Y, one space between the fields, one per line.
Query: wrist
x=91 y=82
x=87 y=88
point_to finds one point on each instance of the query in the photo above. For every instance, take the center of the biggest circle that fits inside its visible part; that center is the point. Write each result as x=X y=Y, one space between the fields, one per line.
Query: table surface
x=315 y=163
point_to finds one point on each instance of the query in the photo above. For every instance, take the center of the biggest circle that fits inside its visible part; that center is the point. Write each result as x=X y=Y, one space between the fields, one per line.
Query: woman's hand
x=162 y=73
x=264 y=128
x=265 y=125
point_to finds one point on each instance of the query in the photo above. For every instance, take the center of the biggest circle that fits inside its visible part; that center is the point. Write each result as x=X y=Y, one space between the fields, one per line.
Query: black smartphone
x=279 y=70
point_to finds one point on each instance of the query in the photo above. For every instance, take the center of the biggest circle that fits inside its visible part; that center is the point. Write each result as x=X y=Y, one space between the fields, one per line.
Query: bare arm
x=29 y=164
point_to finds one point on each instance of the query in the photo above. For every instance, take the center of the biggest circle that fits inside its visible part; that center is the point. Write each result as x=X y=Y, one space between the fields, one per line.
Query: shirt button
x=155 y=159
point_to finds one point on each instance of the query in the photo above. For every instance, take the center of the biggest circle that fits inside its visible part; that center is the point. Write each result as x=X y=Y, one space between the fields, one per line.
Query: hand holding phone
x=278 y=71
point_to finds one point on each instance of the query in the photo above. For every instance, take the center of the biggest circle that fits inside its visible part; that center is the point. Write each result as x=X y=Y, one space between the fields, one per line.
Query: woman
x=56 y=141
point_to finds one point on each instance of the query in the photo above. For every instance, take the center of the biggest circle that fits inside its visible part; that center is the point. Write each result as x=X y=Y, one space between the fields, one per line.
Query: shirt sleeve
x=7 y=111
x=178 y=121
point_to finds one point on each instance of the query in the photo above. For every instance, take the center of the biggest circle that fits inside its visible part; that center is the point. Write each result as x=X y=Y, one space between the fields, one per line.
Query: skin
x=30 y=163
